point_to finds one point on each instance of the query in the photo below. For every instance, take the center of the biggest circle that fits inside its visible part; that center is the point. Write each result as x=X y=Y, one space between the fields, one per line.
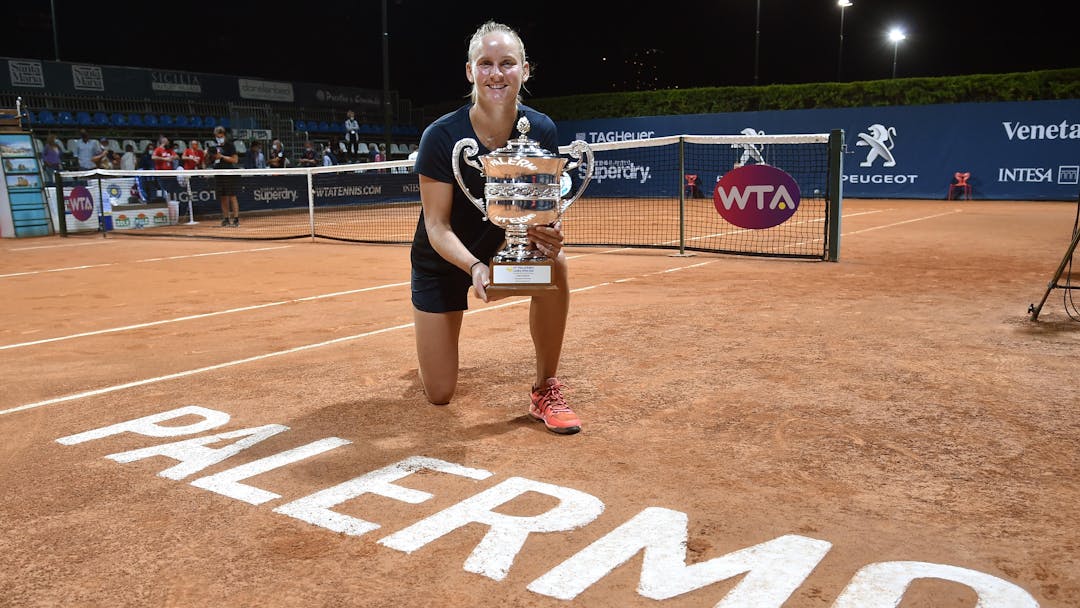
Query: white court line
x=177 y=257
x=918 y=219
x=192 y=372
x=119 y=387
x=101 y=242
x=200 y=316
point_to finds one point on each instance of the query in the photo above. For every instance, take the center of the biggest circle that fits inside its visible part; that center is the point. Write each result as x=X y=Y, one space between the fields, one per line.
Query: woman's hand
x=480 y=278
x=548 y=239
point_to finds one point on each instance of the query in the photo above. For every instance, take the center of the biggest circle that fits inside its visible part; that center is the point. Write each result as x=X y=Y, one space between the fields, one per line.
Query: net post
x=311 y=203
x=682 y=196
x=61 y=217
x=835 y=193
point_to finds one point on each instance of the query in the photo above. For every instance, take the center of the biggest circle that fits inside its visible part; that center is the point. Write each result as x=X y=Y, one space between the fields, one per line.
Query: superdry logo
x=276 y=194
x=620 y=170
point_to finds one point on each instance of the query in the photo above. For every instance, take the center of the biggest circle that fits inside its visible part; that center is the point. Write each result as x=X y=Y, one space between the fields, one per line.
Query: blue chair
x=83 y=119
x=100 y=119
x=337 y=127
x=195 y=122
x=300 y=125
x=225 y=122
x=118 y=120
x=135 y=121
x=165 y=120
x=46 y=117
x=150 y=120
x=209 y=122
x=65 y=118
x=324 y=127
x=181 y=121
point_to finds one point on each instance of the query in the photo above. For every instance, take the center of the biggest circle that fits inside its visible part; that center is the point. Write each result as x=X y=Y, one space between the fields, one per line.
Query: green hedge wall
x=1020 y=86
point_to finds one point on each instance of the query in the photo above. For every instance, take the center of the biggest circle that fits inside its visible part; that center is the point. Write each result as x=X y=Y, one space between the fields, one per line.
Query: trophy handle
x=578 y=149
x=468 y=144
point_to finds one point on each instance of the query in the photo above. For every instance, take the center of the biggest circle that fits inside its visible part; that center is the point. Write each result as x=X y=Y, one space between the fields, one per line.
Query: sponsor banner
x=266 y=90
x=360 y=100
x=256 y=193
x=63 y=78
x=1013 y=150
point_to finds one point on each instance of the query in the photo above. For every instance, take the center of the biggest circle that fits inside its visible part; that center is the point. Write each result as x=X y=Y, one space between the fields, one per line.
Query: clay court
x=888 y=430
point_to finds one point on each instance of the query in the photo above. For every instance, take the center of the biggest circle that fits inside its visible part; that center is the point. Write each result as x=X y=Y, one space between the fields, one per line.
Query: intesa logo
x=81 y=203
x=756 y=196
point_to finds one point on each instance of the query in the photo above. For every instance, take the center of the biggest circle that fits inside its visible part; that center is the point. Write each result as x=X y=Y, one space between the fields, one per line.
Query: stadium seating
x=300 y=125
x=83 y=119
x=118 y=120
x=195 y=122
x=46 y=118
x=64 y=118
x=100 y=119
x=181 y=121
x=165 y=121
x=150 y=120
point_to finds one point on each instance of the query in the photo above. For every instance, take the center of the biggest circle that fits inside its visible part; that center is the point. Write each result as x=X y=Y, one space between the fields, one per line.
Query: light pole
x=757 y=40
x=840 y=56
x=896 y=35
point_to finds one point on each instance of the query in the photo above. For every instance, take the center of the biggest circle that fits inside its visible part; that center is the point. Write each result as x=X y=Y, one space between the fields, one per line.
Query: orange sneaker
x=549 y=406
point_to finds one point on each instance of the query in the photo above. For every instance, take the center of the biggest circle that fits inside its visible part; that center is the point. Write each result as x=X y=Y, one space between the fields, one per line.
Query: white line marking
x=200 y=316
x=178 y=257
x=145 y=381
x=101 y=242
x=918 y=219
x=192 y=372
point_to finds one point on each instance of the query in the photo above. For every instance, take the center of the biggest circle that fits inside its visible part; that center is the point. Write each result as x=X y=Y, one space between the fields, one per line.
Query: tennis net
x=766 y=195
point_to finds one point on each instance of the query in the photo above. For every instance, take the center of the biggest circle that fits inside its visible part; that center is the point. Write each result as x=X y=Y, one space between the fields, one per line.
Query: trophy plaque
x=524 y=186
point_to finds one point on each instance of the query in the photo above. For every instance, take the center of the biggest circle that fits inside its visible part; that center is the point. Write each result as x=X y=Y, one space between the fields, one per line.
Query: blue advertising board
x=1013 y=150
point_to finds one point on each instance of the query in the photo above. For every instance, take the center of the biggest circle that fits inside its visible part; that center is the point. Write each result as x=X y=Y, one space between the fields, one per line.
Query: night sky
x=573 y=49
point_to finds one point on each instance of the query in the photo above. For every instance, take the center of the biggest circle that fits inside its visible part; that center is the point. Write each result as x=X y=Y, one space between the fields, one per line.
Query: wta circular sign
x=81 y=203
x=756 y=196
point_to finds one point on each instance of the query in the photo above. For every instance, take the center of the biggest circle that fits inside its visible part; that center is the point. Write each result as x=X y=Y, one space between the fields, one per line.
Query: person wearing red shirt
x=164 y=155
x=194 y=156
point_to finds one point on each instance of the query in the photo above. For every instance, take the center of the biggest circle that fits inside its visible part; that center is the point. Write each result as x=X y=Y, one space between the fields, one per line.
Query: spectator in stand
x=106 y=159
x=51 y=160
x=176 y=155
x=352 y=136
x=328 y=158
x=85 y=151
x=223 y=157
x=164 y=159
x=147 y=185
x=128 y=160
x=308 y=158
x=194 y=157
x=277 y=159
x=255 y=158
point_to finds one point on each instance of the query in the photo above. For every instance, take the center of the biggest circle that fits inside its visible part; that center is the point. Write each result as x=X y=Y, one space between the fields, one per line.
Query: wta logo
x=81 y=203
x=756 y=197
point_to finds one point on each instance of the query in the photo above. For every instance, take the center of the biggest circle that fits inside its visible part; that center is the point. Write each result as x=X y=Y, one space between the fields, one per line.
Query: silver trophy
x=525 y=186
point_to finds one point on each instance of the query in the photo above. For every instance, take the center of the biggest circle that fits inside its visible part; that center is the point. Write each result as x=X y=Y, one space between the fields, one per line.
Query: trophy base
x=521 y=278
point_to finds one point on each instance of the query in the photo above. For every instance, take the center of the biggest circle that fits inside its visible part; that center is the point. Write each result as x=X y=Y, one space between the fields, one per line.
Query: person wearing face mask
x=453 y=241
x=223 y=157
x=277 y=159
x=308 y=158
